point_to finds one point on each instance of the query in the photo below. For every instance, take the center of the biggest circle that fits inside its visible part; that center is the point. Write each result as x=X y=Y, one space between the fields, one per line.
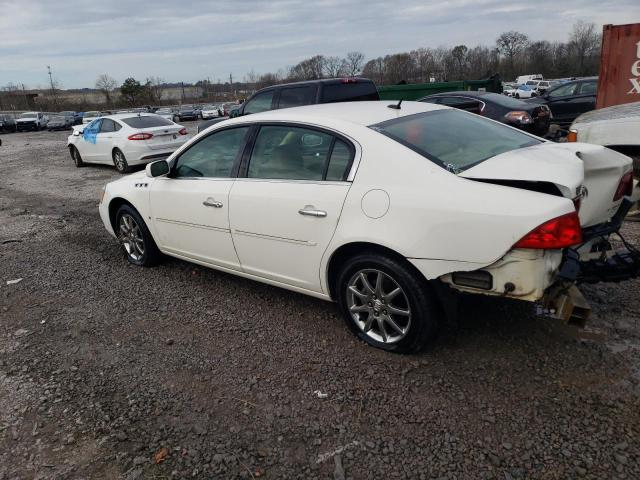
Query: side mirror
x=157 y=169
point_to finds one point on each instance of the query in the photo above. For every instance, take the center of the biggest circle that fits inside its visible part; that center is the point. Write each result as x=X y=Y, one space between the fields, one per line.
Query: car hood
x=576 y=169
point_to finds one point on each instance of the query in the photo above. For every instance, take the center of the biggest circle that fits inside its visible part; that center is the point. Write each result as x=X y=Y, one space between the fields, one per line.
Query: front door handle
x=210 y=202
x=312 y=212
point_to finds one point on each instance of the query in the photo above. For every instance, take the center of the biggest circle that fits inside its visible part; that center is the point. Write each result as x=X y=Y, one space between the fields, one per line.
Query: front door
x=190 y=207
x=285 y=212
x=88 y=144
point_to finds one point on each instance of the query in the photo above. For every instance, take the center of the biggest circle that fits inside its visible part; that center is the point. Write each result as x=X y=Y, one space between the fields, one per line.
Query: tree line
x=513 y=53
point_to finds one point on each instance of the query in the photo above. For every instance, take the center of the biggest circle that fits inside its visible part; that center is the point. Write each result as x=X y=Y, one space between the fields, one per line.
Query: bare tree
x=334 y=66
x=106 y=84
x=584 y=41
x=155 y=86
x=353 y=63
x=459 y=53
x=511 y=44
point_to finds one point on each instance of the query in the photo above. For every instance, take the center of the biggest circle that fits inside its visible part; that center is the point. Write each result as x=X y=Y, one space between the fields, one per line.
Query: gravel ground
x=112 y=371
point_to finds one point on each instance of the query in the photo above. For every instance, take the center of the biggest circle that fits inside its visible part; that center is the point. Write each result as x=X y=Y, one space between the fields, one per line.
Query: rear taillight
x=559 y=232
x=519 y=116
x=183 y=131
x=572 y=136
x=625 y=187
x=140 y=136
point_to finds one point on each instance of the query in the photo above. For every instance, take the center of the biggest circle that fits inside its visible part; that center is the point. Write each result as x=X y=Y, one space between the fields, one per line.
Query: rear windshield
x=505 y=101
x=349 y=92
x=147 y=121
x=454 y=139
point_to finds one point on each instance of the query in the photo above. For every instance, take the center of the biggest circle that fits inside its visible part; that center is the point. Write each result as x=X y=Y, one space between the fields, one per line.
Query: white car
x=168 y=114
x=31 y=121
x=91 y=116
x=385 y=208
x=524 y=91
x=125 y=140
x=616 y=127
x=509 y=90
x=210 y=111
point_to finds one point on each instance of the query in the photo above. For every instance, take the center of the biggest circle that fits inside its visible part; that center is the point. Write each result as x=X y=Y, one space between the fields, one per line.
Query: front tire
x=75 y=156
x=120 y=161
x=386 y=303
x=135 y=238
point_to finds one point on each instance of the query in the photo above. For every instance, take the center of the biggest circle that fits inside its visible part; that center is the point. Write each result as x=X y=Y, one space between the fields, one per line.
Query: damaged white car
x=384 y=208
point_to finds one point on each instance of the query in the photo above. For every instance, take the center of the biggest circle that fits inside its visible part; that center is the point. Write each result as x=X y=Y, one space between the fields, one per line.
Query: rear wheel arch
x=349 y=250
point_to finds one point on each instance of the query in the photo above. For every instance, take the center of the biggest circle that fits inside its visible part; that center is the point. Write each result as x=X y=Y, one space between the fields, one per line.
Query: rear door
x=559 y=100
x=283 y=213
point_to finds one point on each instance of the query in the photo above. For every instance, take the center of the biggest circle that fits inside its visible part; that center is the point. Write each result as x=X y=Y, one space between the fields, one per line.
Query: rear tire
x=135 y=238
x=120 y=161
x=386 y=303
x=75 y=156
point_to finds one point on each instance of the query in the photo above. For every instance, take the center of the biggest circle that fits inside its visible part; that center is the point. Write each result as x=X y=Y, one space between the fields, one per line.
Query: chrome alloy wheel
x=378 y=305
x=118 y=157
x=131 y=237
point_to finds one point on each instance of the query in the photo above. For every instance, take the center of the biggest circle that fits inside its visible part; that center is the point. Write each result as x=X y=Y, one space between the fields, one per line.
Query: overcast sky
x=188 y=40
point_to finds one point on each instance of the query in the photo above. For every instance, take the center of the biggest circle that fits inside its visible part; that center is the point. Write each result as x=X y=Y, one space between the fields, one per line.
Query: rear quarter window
x=147 y=121
x=349 y=92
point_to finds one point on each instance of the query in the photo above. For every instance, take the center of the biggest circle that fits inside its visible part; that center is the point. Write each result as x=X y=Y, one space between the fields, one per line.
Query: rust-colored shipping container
x=619 y=80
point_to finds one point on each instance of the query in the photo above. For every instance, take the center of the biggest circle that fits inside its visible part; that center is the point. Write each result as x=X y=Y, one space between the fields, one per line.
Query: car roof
x=120 y=116
x=323 y=81
x=363 y=113
x=615 y=112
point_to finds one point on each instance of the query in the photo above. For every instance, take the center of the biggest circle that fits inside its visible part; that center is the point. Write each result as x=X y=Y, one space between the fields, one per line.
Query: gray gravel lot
x=113 y=371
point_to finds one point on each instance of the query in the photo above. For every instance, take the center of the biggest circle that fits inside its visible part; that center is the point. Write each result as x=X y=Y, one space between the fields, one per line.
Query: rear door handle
x=210 y=202
x=310 y=211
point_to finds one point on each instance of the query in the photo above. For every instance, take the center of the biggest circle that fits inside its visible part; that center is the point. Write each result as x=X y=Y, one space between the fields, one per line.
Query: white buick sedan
x=387 y=209
x=125 y=140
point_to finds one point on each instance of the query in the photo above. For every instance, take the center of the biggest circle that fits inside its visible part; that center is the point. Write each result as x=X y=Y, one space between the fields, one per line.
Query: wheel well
x=114 y=205
x=349 y=250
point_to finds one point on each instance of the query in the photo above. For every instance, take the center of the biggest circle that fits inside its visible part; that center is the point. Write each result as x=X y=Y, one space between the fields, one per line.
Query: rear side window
x=295 y=97
x=147 y=121
x=453 y=139
x=295 y=153
x=588 y=88
x=563 y=91
x=349 y=92
x=261 y=102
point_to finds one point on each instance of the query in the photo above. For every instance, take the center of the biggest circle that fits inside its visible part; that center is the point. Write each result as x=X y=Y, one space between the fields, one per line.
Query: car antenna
x=395 y=107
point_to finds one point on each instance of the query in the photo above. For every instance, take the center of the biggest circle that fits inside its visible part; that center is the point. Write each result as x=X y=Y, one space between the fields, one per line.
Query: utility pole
x=53 y=90
x=182 y=84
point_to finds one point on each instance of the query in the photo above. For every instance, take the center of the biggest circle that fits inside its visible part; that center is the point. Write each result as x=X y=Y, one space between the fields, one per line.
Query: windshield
x=454 y=139
x=28 y=115
x=186 y=107
x=163 y=110
x=57 y=118
x=92 y=114
x=147 y=121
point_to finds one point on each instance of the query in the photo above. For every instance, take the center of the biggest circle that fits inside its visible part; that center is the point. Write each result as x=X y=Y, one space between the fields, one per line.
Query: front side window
x=295 y=153
x=259 y=103
x=213 y=156
x=296 y=97
x=437 y=136
x=563 y=91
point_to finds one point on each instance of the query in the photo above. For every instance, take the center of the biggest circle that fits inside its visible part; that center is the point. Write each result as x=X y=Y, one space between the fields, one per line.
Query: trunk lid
x=576 y=169
x=164 y=137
